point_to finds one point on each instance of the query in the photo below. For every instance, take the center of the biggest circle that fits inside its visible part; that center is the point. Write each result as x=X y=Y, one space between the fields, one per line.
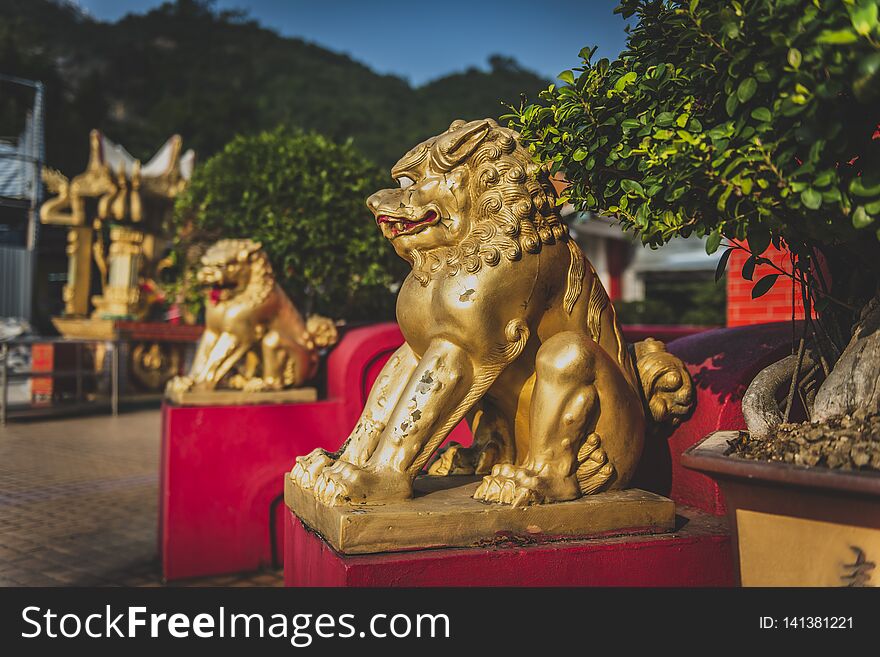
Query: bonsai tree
x=302 y=196
x=749 y=123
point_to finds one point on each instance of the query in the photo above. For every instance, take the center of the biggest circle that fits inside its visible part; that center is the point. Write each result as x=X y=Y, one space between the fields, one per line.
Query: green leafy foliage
x=749 y=119
x=302 y=196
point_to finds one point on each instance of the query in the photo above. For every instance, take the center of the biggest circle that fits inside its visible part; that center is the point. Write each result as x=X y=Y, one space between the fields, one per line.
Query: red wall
x=774 y=306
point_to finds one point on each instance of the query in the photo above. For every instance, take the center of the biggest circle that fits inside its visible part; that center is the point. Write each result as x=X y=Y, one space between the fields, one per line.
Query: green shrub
x=754 y=120
x=302 y=196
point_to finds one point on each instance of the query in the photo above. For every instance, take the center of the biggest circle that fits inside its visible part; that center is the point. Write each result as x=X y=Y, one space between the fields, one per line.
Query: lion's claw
x=180 y=384
x=345 y=483
x=307 y=468
x=506 y=491
x=520 y=486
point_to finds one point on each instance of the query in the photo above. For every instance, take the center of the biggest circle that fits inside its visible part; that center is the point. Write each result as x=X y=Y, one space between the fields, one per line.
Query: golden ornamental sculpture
x=507 y=325
x=115 y=213
x=255 y=340
x=133 y=202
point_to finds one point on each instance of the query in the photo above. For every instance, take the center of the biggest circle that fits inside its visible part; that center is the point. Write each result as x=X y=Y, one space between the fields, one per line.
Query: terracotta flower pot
x=793 y=525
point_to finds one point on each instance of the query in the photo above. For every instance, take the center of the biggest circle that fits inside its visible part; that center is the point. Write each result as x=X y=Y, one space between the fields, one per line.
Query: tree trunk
x=854 y=383
x=760 y=404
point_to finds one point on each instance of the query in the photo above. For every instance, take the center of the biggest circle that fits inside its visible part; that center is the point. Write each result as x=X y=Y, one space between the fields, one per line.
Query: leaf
x=864 y=17
x=722 y=264
x=567 y=77
x=824 y=178
x=759 y=239
x=861 y=218
x=762 y=114
x=624 y=80
x=837 y=37
x=763 y=286
x=794 y=57
x=748 y=270
x=713 y=242
x=811 y=198
x=579 y=155
x=630 y=124
x=631 y=186
x=746 y=89
x=731 y=104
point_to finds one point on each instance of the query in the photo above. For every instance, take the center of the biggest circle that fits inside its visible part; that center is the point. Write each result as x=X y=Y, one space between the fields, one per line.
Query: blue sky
x=424 y=40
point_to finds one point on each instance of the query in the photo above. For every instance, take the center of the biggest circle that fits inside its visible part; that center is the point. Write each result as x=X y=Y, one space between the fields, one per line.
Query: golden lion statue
x=507 y=325
x=255 y=339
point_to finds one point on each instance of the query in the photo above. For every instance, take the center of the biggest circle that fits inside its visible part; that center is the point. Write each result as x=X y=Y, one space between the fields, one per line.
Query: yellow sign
x=779 y=550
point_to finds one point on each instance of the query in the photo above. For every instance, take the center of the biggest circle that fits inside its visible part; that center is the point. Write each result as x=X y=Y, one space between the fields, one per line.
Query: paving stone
x=79 y=504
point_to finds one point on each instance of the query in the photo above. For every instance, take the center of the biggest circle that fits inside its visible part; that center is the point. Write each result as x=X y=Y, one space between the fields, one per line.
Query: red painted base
x=698 y=554
x=222 y=471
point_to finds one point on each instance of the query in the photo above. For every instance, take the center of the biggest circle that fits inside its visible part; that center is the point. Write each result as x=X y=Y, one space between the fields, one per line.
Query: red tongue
x=215 y=295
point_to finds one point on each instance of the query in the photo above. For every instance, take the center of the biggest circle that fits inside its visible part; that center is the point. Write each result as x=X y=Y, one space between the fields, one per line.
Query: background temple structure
x=131 y=202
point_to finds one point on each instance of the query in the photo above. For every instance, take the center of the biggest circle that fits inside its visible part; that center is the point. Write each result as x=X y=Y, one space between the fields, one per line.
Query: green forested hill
x=209 y=75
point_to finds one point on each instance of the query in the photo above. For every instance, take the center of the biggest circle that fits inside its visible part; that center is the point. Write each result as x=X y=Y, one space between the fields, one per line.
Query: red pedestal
x=223 y=466
x=722 y=363
x=698 y=555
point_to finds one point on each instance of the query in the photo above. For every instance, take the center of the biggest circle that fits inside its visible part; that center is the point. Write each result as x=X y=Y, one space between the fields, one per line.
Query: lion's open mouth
x=396 y=226
x=217 y=290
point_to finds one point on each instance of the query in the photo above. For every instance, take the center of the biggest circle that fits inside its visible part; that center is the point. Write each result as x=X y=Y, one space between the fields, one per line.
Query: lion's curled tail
x=666 y=383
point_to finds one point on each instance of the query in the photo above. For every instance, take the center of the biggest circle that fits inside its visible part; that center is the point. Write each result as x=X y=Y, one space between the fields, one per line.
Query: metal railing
x=78 y=372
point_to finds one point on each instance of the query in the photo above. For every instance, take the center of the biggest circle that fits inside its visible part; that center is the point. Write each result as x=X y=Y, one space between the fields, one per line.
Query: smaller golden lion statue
x=255 y=339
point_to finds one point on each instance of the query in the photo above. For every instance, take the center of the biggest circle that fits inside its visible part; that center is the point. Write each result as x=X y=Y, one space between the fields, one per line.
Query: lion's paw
x=521 y=486
x=454 y=460
x=180 y=384
x=458 y=460
x=345 y=483
x=307 y=468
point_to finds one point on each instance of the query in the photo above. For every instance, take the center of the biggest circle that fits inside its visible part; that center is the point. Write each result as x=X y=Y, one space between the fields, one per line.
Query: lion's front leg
x=186 y=382
x=361 y=443
x=436 y=397
x=225 y=353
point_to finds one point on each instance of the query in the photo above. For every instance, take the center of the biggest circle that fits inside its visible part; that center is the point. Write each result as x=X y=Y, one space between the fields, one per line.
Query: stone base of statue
x=241 y=397
x=626 y=538
x=443 y=513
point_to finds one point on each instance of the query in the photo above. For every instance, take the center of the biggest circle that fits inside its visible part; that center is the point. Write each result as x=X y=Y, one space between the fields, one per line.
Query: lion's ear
x=453 y=147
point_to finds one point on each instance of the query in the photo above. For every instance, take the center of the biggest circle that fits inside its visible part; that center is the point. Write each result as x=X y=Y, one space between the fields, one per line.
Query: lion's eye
x=404 y=182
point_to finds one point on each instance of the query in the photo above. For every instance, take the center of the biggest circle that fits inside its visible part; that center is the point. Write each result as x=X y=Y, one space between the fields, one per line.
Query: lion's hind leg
x=493 y=444
x=563 y=408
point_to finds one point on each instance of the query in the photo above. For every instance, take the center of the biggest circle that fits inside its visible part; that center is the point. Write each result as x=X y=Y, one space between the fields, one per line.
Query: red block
x=698 y=554
x=223 y=466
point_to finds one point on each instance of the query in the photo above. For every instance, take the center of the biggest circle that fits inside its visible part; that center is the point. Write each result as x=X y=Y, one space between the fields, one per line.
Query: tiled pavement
x=78 y=504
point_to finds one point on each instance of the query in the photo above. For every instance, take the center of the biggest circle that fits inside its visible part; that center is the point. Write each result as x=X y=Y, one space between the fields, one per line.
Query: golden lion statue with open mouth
x=506 y=324
x=255 y=339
